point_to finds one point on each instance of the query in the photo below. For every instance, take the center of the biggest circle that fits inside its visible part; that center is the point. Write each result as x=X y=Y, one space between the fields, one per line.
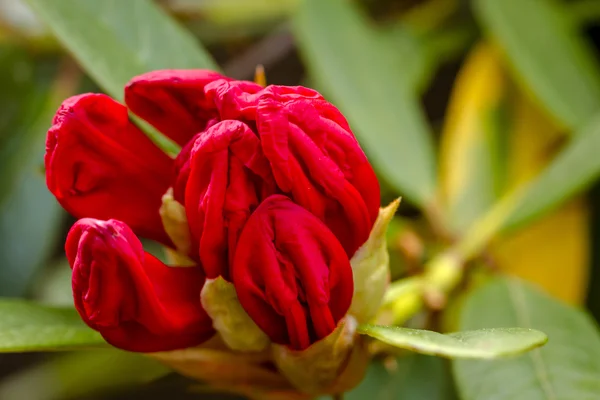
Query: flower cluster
x=270 y=193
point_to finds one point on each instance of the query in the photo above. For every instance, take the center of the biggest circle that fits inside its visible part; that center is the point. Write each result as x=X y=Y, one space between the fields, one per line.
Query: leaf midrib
x=517 y=297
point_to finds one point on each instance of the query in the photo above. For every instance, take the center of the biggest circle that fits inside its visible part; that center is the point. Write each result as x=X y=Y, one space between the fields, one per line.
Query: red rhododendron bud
x=100 y=165
x=173 y=101
x=135 y=301
x=291 y=274
x=315 y=158
x=221 y=183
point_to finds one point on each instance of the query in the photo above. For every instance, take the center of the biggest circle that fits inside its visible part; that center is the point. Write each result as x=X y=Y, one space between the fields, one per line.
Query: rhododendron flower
x=134 y=300
x=270 y=191
x=291 y=274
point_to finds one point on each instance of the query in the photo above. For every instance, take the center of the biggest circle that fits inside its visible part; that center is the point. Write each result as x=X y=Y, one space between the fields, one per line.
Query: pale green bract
x=235 y=326
x=371 y=268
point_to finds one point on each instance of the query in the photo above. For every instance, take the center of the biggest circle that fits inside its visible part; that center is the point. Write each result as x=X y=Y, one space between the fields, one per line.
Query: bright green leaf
x=115 y=40
x=481 y=343
x=548 y=53
x=362 y=74
x=568 y=367
x=26 y=326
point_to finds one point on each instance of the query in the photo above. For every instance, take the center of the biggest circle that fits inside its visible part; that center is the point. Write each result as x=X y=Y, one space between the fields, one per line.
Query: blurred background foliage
x=483 y=114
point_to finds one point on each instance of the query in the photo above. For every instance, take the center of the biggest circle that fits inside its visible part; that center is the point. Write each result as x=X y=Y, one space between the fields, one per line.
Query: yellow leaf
x=554 y=251
x=469 y=173
x=489 y=148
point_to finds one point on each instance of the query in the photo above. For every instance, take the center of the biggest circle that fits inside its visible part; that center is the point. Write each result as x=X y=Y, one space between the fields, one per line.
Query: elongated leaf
x=481 y=343
x=26 y=326
x=472 y=148
x=576 y=167
x=81 y=374
x=568 y=367
x=571 y=171
x=360 y=71
x=30 y=217
x=412 y=376
x=115 y=40
x=548 y=54
x=540 y=250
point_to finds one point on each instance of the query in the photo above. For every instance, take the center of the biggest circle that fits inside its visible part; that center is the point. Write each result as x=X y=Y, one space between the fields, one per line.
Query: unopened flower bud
x=100 y=165
x=291 y=274
x=135 y=301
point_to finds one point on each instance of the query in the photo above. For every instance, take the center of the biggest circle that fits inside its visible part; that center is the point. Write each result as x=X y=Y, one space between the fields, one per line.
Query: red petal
x=100 y=165
x=318 y=162
x=173 y=101
x=135 y=301
x=291 y=274
x=224 y=180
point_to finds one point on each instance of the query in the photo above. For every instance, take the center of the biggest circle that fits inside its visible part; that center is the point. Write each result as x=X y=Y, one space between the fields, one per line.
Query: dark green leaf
x=412 y=376
x=568 y=367
x=26 y=326
x=549 y=55
x=362 y=74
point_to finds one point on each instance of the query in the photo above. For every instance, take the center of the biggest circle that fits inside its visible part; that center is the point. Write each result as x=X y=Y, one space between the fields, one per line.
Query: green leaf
x=81 y=374
x=548 y=53
x=411 y=376
x=568 y=367
x=115 y=40
x=360 y=71
x=27 y=326
x=575 y=168
x=30 y=217
x=481 y=343
x=473 y=139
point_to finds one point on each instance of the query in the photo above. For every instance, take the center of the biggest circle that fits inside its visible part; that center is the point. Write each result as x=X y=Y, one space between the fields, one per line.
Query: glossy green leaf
x=361 y=73
x=26 y=326
x=481 y=343
x=411 y=376
x=115 y=40
x=568 y=367
x=575 y=168
x=548 y=54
